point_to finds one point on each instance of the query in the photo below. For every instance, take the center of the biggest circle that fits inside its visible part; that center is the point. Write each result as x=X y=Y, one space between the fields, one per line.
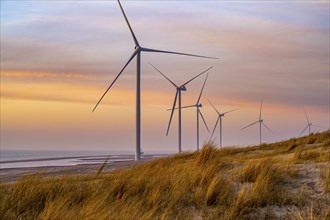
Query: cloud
x=58 y=57
x=74 y=88
x=272 y=49
x=44 y=75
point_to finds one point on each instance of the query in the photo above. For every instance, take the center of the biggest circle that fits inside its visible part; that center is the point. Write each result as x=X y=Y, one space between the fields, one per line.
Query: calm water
x=39 y=158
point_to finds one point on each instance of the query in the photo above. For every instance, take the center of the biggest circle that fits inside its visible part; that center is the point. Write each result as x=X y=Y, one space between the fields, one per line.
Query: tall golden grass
x=228 y=183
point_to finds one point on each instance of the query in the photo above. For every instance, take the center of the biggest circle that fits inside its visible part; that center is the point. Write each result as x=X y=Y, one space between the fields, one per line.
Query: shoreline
x=95 y=157
x=11 y=175
x=59 y=158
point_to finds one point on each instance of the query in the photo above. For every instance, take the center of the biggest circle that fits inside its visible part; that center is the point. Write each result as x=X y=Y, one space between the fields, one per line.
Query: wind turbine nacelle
x=261 y=120
x=183 y=88
x=199 y=105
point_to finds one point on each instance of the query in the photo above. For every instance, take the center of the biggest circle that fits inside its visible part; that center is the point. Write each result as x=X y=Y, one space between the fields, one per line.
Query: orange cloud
x=27 y=86
x=46 y=75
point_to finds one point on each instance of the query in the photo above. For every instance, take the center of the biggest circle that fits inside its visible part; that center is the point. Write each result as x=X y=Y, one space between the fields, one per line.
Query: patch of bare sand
x=307 y=190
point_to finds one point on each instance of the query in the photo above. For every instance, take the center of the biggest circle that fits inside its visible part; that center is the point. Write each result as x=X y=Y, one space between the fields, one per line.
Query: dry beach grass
x=287 y=180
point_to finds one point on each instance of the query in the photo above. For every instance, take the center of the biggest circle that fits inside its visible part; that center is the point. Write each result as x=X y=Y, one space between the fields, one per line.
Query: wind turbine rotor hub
x=138 y=48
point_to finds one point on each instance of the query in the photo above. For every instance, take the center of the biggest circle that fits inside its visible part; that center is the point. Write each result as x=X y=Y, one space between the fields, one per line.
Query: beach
x=86 y=165
x=283 y=180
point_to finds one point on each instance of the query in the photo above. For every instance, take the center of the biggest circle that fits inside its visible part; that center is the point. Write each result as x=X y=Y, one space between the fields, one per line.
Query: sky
x=58 y=57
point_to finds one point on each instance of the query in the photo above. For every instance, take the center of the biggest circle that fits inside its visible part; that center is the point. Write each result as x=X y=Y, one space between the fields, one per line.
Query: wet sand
x=10 y=175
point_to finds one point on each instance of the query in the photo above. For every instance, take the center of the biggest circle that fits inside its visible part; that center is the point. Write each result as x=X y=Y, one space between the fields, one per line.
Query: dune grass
x=229 y=183
x=325 y=175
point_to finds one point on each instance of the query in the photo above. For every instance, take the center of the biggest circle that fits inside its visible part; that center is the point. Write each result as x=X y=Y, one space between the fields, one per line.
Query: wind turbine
x=198 y=111
x=309 y=124
x=137 y=53
x=260 y=121
x=178 y=95
x=219 y=120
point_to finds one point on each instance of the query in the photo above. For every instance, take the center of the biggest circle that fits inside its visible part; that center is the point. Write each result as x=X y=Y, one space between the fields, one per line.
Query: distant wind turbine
x=309 y=124
x=219 y=120
x=198 y=111
x=137 y=53
x=260 y=121
x=178 y=95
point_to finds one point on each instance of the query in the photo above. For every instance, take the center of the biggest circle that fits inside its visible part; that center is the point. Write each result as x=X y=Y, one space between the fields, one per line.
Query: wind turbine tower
x=178 y=95
x=261 y=122
x=198 y=105
x=309 y=125
x=219 y=120
x=137 y=53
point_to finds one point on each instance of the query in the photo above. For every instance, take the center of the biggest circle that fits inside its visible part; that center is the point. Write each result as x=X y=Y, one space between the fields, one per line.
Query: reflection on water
x=38 y=159
x=60 y=162
x=7 y=155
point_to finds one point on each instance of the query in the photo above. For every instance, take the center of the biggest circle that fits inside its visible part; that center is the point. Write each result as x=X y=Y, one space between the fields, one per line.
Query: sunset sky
x=58 y=57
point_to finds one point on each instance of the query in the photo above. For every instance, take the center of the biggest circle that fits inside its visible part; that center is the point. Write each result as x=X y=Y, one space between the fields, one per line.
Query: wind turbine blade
x=130 y=59
x=200 y=94
x=215 y=126
x=169 y=123
x=230 y=111
x=260 y=110
x=197 y=75
x=249 y=125
x=306 y=117
x=178 y=53
x=203 y=119
x=188 y=106
x=213 y=106
x=303 y=131
x=163 y=75
x=267 y=127
x=129 y=26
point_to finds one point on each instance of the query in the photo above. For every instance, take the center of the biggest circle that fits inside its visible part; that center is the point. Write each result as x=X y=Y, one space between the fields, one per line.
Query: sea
x=45 y=158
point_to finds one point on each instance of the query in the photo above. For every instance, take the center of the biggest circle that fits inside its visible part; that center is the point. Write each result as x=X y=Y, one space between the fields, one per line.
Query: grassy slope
x=289 y=179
